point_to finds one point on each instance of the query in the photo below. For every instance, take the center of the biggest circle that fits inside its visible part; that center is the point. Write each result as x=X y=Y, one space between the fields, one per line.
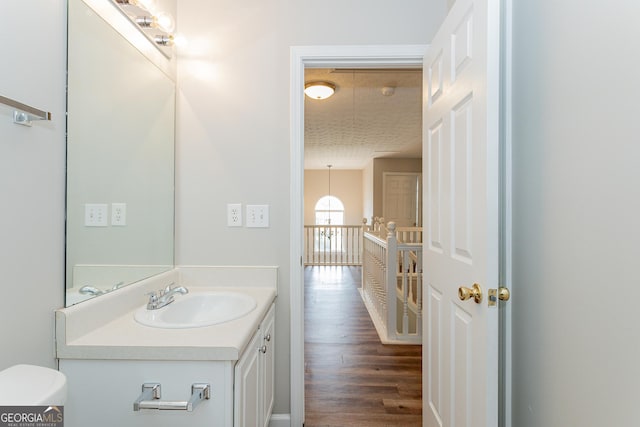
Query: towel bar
x=26 y=113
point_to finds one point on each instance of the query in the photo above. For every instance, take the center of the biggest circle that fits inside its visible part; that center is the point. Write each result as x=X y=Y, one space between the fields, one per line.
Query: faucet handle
x=169 y=287
x=153 y=300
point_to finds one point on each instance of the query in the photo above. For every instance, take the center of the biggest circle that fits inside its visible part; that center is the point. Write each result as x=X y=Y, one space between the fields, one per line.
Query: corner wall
x=576 y=213
x=32 y=180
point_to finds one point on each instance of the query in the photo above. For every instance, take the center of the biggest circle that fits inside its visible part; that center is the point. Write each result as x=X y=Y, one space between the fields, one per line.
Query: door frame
x=301 y=57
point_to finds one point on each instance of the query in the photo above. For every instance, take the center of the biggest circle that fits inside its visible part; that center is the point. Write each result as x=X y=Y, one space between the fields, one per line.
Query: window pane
x=322 y=218
x=327 y=203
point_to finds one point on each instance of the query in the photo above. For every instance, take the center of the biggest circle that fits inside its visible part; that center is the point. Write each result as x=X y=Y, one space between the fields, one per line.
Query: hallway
x=351 y=379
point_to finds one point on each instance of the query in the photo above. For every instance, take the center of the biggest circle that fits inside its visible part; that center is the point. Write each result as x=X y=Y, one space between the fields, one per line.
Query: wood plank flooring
x=351 y=379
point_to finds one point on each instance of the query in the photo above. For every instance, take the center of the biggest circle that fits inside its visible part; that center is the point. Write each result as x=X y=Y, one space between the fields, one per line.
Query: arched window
x=329 y=211
x=330 y=215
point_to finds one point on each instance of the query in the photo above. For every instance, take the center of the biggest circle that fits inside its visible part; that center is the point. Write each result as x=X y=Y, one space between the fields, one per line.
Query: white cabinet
x=102 y=391
x=254 y=377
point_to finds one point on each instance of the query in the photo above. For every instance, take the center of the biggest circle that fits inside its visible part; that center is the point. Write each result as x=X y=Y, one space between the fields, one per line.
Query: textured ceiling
x=358 y=122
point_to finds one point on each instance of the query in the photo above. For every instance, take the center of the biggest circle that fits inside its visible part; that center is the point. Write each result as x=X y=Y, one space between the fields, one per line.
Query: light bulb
x=180 y=41
x=165 y=22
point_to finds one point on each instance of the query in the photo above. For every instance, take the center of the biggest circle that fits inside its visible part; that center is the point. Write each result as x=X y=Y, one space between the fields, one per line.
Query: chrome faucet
x=90 y=290
x=163 y=297
x=117 y=286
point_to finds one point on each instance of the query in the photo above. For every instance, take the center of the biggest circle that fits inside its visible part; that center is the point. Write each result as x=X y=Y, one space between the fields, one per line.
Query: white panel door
x=461 y=158
x=400 y=200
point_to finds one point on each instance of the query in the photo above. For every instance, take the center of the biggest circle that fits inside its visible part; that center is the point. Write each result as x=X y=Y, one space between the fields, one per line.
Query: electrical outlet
x=118 y=214
x=95 y=215
x=234 y=215
x=258 y=216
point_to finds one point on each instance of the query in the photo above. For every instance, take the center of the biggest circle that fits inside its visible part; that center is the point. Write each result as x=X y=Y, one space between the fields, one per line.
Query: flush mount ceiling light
x=319 y=90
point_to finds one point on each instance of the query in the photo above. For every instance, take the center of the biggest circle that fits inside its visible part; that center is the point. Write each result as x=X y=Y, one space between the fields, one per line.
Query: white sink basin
x=195 y=310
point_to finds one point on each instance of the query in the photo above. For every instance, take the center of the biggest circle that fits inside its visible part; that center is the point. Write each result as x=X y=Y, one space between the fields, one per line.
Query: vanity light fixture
x=158 y=26
x=145 y=21
x=163 y=40
x=319 y=90
x=149 y=5
x=163 y=21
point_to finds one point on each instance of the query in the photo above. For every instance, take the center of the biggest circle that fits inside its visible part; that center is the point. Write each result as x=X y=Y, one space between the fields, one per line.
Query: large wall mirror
x=120 y=160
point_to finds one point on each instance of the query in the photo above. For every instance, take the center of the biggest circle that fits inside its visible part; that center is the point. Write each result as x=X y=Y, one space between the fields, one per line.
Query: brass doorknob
x=504 y=294
x=475 y=291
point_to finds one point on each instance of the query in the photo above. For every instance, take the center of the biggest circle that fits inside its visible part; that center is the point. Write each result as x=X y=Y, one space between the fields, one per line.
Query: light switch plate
x=95 y=215
x=258 y=216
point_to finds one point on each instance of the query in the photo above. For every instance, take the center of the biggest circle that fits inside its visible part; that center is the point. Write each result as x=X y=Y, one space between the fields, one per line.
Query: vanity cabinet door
x=267 y=365
x=254 y=377
x=247 y=386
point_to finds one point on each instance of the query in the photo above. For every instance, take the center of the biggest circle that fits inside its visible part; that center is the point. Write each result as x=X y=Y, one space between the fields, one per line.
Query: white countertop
x=121 y=337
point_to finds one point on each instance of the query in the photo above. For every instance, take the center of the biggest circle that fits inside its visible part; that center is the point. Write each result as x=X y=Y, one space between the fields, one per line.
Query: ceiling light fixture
x=319 y=90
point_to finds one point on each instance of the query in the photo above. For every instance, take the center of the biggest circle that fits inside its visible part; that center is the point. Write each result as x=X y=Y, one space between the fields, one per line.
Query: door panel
x=461 y=45
x=461 y=122
x=461 y=171
x=433 y=363
x=434 y=187
x=461 y=357
x=400 y=198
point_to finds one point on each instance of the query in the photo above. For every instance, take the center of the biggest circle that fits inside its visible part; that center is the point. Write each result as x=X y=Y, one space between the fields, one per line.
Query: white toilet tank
x=27 y=385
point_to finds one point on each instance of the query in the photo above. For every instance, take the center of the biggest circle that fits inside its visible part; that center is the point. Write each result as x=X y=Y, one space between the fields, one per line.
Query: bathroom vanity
x=121 y=372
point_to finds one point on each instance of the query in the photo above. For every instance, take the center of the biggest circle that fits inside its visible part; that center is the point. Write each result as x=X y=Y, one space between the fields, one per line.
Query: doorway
x=402 y=198
x=320 y=57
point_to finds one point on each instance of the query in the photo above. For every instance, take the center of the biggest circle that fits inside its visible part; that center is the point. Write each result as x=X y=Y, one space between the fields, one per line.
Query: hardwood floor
x=351 y=379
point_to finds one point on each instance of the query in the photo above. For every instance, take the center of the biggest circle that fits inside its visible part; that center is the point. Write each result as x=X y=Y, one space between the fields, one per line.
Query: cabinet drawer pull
x=268 y=337
x=263 y=349
x=150 y=398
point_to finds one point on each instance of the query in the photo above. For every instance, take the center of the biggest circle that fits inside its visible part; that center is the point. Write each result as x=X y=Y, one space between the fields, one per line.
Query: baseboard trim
x=280 y=420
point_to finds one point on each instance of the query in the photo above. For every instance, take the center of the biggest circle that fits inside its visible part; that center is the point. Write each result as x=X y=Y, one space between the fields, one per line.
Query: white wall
x=576 y=213
x=233 y=122
x=346 y=185
x=32 y=180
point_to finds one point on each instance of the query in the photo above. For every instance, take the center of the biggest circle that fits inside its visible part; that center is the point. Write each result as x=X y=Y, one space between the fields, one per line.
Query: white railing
x=333 y=244
x=392 y=284
x=404 y=234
